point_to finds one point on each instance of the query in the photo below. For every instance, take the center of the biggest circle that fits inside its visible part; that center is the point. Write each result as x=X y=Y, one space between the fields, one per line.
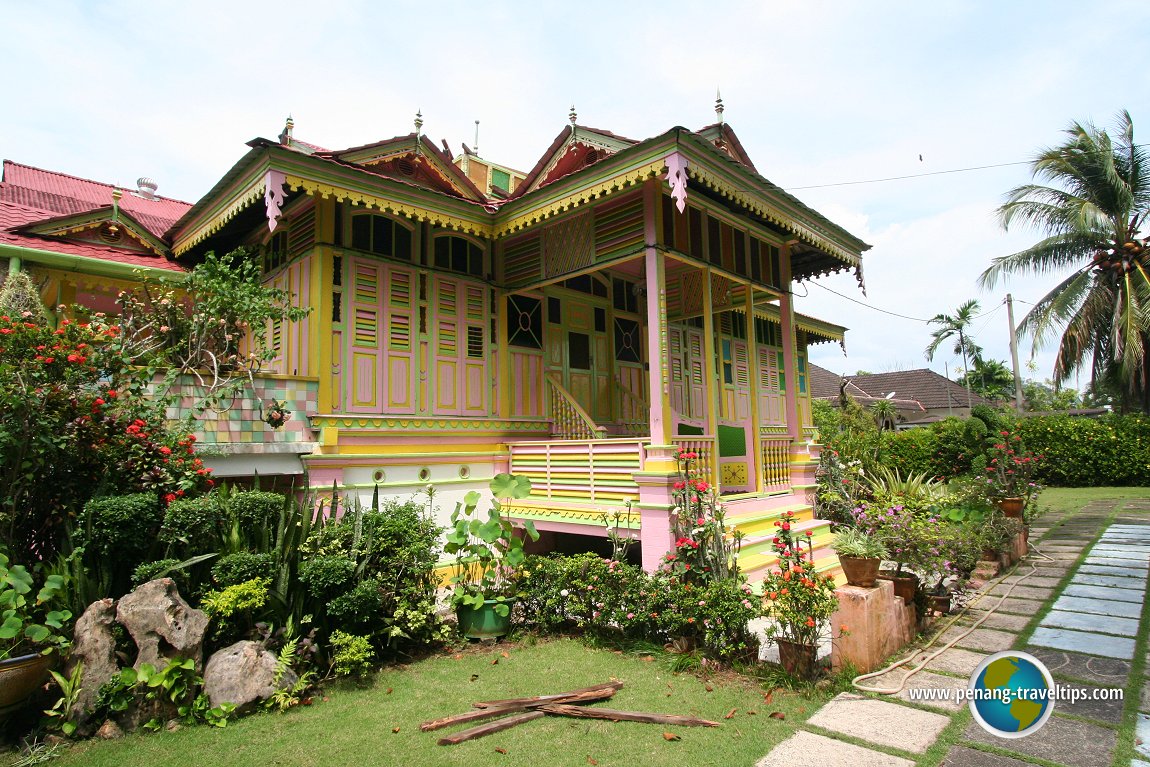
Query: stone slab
x=997 y=620
x=923 y=680
x=880 y=722
x=1063 y=741
x=1118 y=581
x=1103 y=592
x=1013 y=605
x=1033 y=580
x=1084 y=642
x=1144 y=697
x=1142 y=735
x=1089 y=567
x=1131 y=564
x=1126 y=627
x=805 y=748
x=1108 y=672
x=984 y=639
x=1103 y=710
x=1099 y=607
x=961 y=756
x=953 y=661
x=1023 y=590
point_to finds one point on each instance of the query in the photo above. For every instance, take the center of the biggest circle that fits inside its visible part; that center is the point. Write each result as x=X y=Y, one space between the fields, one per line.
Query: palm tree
x=885 y=414
x=990 y=378
x=955 y=327
x=1092 y=214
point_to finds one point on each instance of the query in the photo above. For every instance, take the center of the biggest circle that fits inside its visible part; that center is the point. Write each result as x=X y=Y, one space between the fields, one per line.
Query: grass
x=1061 y=499
x=380 y=723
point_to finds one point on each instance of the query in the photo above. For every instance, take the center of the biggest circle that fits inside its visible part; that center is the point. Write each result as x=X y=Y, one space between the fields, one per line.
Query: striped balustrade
x=776 y=463
x=597 y=470
x=706 y=465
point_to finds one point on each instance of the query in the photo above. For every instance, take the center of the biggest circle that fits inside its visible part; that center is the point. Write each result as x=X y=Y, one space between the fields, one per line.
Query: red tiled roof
x=13 y=216
x=923 y=386
x=60 y=193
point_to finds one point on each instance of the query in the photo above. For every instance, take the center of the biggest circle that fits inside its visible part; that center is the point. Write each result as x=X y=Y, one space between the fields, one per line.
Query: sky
x=820 y=92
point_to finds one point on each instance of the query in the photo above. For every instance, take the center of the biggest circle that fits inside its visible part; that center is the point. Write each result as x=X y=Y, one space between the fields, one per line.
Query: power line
x=868 y=306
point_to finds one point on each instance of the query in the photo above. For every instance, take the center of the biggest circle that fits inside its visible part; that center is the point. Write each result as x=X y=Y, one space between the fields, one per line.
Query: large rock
x=243 y=674
x=94 y=645
x=162 y=624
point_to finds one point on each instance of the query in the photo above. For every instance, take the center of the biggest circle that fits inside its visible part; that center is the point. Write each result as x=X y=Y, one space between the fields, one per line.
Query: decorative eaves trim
x=217 y=221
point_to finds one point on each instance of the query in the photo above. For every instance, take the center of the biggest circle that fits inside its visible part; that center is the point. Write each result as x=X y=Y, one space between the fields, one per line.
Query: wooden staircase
x=755 y=518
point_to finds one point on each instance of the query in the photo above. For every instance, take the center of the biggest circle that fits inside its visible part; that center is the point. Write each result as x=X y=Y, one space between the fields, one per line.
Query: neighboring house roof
x=921 y=389
x=31 y=196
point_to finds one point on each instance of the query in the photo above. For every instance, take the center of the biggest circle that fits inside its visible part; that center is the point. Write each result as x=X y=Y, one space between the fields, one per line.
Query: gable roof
x=35 y=203
x=924 y=386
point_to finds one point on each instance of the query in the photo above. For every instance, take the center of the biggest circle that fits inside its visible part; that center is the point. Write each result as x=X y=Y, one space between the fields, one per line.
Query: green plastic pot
x=483 y=622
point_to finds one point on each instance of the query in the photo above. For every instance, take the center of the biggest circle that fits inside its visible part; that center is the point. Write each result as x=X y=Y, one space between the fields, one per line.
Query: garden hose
x=952 y=642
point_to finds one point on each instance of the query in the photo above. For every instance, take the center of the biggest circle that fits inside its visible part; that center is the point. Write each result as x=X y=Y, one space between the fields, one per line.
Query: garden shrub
x=243 y=566
x=1083 y=452
x=121 y=526
x=235 y=609
x=195 y=524
x=911 y=451
x=361 y=606
x=351 y=654
x=325 y=576
x=255 y=510
x=161 y=568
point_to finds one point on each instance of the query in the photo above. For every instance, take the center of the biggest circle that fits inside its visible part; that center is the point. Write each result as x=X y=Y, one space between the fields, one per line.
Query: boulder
x=109 y=730
x=162 y=624
x=243 y=674
x=94 y=645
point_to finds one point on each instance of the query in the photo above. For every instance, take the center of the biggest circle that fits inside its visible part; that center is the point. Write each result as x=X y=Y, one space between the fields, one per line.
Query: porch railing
x=776 y=462
x=707 y=464
x=597 y=470
x=634 y=410
x=568 y=418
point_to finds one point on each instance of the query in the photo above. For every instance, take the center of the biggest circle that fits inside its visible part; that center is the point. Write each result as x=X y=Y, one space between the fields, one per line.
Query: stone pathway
x=1087 y=639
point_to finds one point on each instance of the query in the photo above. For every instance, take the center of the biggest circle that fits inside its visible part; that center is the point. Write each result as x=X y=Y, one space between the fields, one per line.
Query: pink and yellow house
x=580 y=323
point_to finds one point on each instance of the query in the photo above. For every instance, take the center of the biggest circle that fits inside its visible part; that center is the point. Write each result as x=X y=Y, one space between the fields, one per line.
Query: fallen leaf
x=474 y=677
x=494 y=661
x=500 y=750
x=388 y=692
x=670 y=736
x=767 y=698
x=325 y=699
x=591 y=761
x=505 y=654
x=778 y=715
x=647 y=658
x=457 y=657
x=752 y=713
x=306 y=702
x=731 y=714
x=395 y=729
x=708 y=688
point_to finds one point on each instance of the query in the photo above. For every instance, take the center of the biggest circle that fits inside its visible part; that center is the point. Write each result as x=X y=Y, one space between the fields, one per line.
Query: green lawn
x=1074 y=498
x=356 y=726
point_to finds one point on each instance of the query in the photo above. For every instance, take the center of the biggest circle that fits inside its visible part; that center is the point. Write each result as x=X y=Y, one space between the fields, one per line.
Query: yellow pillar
x=659 y=382
x=753 y=361
x=710 y=370
x=503 y=356
x=787 y=330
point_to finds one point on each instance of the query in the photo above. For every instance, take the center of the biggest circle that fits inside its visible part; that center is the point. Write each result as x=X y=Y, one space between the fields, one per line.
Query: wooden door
x=579 y=349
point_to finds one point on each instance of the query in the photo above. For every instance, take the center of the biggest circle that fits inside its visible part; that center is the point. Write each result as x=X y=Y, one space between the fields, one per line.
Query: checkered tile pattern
x=241 y=419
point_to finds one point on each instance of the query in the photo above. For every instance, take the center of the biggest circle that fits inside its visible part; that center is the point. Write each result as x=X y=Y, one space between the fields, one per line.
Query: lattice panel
x=619 y=228
x=569 y=245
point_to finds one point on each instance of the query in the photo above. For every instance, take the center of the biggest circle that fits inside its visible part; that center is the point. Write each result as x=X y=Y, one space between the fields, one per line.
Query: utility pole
x=1014 y=353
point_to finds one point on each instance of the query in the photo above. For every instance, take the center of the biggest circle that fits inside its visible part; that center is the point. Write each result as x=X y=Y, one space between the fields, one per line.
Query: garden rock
x=95 y=646
x=163 y=625
x=243 y=674
x=109 y=730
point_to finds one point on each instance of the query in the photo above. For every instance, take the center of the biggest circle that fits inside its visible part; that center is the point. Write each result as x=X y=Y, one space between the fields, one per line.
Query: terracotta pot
x=940 y=603
x=20 y=677
x=860 y=571
x=904 y=585
x=798 y=659
x=1011 y=507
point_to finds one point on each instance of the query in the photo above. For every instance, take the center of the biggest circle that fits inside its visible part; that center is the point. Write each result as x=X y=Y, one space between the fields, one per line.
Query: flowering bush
x=75 y=423
x=703 y=547
x=800 y=599
x=1010 y=468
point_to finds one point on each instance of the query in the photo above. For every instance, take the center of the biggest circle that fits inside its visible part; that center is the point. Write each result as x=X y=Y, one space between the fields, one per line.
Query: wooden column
x=787 y=327
x=659 y=382
x=710 y=371
x=753 y=362
x=503 y=357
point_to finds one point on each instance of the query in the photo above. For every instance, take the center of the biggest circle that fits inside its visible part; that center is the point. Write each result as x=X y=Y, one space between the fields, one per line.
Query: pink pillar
x=655 y=503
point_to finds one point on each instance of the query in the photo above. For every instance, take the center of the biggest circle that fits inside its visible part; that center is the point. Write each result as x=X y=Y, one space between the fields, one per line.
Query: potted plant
x=29 y=631
x=1010 y=471
x=860 y=554
x=800 y=601
x=487 y=553
x=901 y=531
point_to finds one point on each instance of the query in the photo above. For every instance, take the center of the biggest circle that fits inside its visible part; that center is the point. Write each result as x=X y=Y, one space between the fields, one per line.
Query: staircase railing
x=706 y=465
x=568 y=418
x=635 y=411
x=776 y=462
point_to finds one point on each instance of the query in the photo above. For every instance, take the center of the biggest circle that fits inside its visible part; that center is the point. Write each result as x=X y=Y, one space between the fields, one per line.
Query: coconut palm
x=1092 y=213
x=885 y=414
x=990 y=378
x=955 y=326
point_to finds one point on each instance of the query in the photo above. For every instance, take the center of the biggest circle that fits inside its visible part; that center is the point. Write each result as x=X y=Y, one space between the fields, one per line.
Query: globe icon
x=1012 y=694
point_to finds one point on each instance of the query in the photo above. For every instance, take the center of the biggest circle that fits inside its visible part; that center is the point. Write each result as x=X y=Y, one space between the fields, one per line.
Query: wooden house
x=621 y=302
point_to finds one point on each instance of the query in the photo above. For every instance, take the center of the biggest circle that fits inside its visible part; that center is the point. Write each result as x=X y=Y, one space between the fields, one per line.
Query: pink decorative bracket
x=677 y=178
x=274 y=196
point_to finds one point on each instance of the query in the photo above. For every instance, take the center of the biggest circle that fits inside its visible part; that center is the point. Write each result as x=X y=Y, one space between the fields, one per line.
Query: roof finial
x=572 y=116
x=285 y=136
x=476 y=138
x=117 y=193
x=719 y=105
x=418 y=123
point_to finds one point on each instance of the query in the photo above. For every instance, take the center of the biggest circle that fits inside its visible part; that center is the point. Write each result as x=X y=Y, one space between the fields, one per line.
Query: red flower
x=165 y=450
